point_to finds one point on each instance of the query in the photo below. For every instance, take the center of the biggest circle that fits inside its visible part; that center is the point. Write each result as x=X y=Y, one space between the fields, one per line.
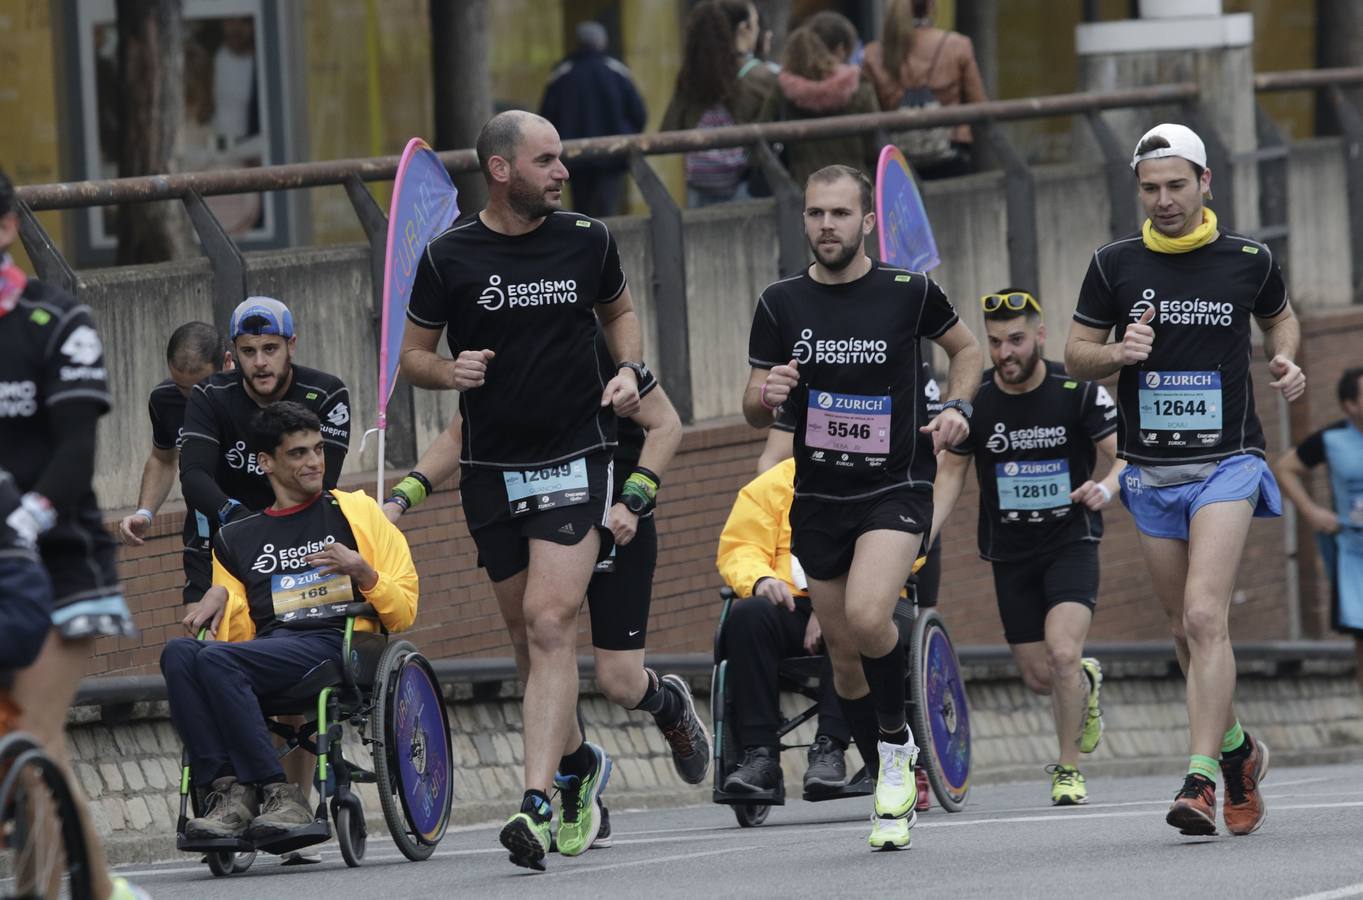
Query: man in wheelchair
x=282 y=581
x=772 y=619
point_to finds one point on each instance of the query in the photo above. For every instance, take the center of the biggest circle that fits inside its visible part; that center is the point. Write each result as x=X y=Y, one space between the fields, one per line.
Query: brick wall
x=458 y=614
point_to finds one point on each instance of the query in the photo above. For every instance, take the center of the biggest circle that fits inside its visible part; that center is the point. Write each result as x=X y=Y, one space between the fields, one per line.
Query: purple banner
x=425 y=203
x=906 y=237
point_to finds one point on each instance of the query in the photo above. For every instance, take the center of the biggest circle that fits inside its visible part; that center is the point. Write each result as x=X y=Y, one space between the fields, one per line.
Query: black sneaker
x=603 y=835
x=689 y=740
x=758 y=771
x=827 y=769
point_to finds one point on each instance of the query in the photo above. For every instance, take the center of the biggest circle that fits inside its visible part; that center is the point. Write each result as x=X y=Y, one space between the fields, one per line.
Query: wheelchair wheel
x=413 y=761
x=941 y=712
x=40 y=835
x=222 y=863
x=750 y=815
x=350 y=832
x=243 y=861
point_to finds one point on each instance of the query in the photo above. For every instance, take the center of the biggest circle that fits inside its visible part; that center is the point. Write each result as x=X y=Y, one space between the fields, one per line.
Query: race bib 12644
x=1180 y=409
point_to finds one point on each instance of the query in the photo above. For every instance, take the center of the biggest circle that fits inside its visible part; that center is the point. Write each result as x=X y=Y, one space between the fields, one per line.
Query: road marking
x=1353 y=890
x=649 y=862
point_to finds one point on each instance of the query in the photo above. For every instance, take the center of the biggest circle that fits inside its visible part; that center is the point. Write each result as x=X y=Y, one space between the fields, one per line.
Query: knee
x=1037 y=682
x=1203 y=625
x=618 y=680
x=846 y=668
x=1062 y=659
x=865 y=628
x=748 y=620
x=177 y=657
x=550 y=631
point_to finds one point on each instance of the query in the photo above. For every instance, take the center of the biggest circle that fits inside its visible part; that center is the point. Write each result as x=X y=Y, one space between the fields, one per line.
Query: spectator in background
x=720 y=83
x=590 y=94
x=1338 y=530
x=816 y=81
x=919 y=66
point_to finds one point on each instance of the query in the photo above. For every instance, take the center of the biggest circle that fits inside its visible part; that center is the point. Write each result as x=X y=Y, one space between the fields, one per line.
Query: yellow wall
x=28 y=104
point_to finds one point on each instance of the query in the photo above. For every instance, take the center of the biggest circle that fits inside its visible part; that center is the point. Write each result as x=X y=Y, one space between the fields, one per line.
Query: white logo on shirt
x=18 y=399
x=528 y=293
x=83 y=346
x=1184 y=312
x=1036 y=437
x=339 y=415
x=238 y=459
x=1102 y=397
x=492 y=297
x=288 y=557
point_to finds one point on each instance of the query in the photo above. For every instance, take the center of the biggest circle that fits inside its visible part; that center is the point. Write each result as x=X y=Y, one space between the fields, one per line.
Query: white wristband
x=1107 y=495
x=145 y=513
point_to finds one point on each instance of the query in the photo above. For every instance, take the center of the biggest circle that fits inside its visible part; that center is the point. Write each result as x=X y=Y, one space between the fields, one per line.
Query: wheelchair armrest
x=727 y=593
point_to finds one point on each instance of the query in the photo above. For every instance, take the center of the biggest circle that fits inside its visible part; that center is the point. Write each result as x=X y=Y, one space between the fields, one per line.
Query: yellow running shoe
x=892 y=832
x=1067 y=786
x=1093 y=716
x=897 y=787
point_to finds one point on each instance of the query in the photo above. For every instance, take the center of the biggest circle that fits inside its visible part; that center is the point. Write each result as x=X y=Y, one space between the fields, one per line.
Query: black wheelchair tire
x=242 y=861
x=349 y=834
x=385 y=766
x=750 y=815
x=222 y=863
x=927 y=622
x=19 y=751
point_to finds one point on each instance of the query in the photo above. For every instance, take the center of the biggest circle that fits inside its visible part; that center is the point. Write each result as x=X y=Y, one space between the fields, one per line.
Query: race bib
x=848 y=429
x=536 y=490
x=1033 y=486
x=1180 y=409
x=310 y=595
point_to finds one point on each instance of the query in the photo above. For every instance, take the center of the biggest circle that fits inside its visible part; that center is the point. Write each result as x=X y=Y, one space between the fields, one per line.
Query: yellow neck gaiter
x=1200 y=236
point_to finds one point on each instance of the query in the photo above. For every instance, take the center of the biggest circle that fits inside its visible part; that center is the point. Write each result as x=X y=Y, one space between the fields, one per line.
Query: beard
x=527 y=202
x=1026 y=367
x=846 y=253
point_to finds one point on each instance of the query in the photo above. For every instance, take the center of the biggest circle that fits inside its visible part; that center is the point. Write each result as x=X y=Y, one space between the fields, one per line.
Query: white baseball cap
x=1183 y=142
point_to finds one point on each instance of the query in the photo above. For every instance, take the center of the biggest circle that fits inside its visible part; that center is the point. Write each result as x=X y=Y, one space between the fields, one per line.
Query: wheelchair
x=388 y=692
x=938 y=712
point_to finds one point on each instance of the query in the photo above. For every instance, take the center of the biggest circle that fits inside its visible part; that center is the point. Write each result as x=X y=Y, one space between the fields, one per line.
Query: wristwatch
x=636 y=503
x=961 y=406
x=227 y=509
x=639 y=369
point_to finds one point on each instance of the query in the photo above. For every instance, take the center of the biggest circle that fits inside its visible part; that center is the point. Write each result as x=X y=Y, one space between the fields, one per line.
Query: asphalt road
x=1009 y=842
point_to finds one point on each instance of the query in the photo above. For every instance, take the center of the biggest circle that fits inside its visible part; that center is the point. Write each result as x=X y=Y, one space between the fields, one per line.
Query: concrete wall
x=731 y=255
x=128 y=762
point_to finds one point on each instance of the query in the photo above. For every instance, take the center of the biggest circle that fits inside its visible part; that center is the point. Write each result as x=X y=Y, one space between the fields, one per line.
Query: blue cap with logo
x=261 y=315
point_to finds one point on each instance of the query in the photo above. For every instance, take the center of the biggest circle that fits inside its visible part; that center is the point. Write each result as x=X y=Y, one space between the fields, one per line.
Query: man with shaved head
x=520 y=291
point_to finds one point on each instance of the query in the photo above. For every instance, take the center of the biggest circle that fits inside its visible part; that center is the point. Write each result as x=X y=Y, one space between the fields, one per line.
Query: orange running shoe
x=1244 y=807
x=1194 y=809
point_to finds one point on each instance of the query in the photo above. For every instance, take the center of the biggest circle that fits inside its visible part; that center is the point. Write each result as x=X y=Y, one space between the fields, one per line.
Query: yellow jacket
x=381 y=544
x=755 y=542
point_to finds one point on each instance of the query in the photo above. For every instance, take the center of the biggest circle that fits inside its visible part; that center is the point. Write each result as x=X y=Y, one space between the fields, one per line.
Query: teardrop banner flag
x=906 y=237
x=425 y=203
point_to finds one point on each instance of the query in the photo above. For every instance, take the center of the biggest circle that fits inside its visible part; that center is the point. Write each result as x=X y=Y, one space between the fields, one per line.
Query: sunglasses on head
x=1016 y=301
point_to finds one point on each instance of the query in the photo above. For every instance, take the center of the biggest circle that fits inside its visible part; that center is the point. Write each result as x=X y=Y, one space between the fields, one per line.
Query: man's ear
x=868 y=224
x=265 y=462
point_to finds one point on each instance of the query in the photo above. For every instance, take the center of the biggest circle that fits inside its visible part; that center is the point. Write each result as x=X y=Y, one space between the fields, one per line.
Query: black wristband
x=425 y=482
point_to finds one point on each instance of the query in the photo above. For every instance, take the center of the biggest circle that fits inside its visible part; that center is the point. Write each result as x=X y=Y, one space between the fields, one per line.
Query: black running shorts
x=1028 y=589
x=619 y=600
x=824 y=534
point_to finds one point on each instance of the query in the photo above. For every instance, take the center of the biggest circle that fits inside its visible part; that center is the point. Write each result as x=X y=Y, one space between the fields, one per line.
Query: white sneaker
x=896 y=788
x=305 y=857
x=892 y=833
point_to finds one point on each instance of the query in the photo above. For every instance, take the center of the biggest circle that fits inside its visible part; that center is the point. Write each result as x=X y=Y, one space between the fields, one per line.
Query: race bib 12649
x=536 y=490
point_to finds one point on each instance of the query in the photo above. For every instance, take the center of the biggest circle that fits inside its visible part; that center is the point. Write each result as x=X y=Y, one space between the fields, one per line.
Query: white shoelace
x=892 y=759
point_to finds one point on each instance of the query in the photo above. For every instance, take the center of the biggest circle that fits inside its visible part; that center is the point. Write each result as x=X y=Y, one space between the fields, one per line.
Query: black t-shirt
x=860 y=400
x=531 y=299
x=166 y=409
x=1193 y=399
x=1311 y=451
x=219 y=414
x=266 y=552
x=1030 y=451
x=50 y=354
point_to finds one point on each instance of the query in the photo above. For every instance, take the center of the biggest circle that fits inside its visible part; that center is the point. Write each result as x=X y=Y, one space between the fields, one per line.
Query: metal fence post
x=48 y=262
x=1020 y=198
x=669 y=285
x=1122 y=216
x=229 y=266
x=1351 y=122
x=793 y=252
x=1272 y=157
x=1218 y=160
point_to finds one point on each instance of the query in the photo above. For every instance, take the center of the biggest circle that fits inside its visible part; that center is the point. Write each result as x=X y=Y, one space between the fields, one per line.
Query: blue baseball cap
x=261 y=315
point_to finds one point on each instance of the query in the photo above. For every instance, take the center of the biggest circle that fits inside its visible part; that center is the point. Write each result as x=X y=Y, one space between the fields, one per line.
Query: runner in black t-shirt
x=1181 y=296
x=840 y=343
x=518 y=291
x=196 y=350
x=1036 y=434
x=53 y=389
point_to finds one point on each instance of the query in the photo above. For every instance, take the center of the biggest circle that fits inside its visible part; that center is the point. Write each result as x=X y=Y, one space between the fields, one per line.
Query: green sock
x=1204 y=766
x=1234 y=739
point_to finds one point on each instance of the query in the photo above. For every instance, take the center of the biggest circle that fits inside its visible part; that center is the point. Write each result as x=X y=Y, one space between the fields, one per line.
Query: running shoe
x=897 y=787
x=579 y=817
x=1067 y=786
x=892 y=832
x=603 y=834
x=757 y=772
x=827 y=769
x=528 y=840
x=1244 y=808
x=1093 y=715
x=687 y=737
x=126 y=890
x=1194 y=809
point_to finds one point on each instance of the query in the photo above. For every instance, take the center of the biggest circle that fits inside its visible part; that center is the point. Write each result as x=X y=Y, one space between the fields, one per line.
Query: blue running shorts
x=1165 y=512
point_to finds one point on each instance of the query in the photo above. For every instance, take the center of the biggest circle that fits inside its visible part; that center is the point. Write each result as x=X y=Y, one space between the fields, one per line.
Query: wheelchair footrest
x=761 y=798
x=212 y=845
x=861 y=787
x=295 y=839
